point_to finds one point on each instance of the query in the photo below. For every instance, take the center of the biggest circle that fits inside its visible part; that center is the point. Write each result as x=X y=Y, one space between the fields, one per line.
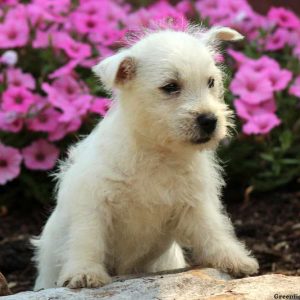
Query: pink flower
x=100 y=106
x=277 y=40
x=90 y=8
x=106 y=36
x=296 y=51
x=17 y=99
x=54 y=7
x=16 y=78
x=160 y=15
x=295 y=88
x=10 y=122
x=63 y=128
x=75 y=50
x=87 y=23
x=75 y=108
x=41 y=39
x=219 y=58
x=62 y=88
x=38 y=15
x=14 y=33
x=263 y=64
x=247 y=111
x=238 y=57
x=10 y=161
x=253 y=87
x=185 y=7
x=40 y=155
x=261 y=124
x=9 y=2
x=46 y=10
x=46 y=120
x=279 y=78
x=284 y=17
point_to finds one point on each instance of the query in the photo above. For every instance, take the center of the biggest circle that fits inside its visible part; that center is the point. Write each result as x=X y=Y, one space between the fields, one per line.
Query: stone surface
x=194 y=284
x=4 y=290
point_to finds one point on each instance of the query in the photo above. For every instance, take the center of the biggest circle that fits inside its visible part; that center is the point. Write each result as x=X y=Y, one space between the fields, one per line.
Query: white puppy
x=145 y=182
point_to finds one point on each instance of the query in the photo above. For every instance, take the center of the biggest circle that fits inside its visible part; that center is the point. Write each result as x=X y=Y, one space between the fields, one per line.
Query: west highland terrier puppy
x=145 y=183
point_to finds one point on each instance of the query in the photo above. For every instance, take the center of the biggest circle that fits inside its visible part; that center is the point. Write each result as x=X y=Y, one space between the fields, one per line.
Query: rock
x=192 y=284
x=4 y=290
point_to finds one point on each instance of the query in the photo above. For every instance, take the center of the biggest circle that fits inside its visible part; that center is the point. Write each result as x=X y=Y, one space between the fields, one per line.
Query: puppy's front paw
x=246 y=266
x=239 y=266
x=84 y=278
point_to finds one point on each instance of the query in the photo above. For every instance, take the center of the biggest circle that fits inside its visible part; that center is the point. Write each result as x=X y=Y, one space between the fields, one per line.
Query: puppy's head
x=170 y=87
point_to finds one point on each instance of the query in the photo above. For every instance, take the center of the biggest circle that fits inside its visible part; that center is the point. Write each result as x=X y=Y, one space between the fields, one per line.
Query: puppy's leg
x=84 y=266
x=210 y=233
x=172 y=259
x=80 y=200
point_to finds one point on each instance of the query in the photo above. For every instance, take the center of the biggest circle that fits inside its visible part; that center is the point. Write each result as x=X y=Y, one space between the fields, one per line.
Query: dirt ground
x=269 y=224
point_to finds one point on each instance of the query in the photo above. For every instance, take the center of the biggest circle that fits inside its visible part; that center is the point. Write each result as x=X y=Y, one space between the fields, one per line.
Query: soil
x=269 y=225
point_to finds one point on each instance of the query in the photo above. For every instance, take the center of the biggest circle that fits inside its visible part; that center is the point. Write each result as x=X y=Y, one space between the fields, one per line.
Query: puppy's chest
x=158 y=192
x=163 y=185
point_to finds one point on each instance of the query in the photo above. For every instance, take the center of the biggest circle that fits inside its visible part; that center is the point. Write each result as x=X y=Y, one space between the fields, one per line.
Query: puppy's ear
x=222 y=34
x=116 y=70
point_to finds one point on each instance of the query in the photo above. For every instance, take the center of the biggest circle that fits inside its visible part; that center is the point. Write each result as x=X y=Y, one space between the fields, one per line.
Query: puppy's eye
x=211 y=82
x=171 y=88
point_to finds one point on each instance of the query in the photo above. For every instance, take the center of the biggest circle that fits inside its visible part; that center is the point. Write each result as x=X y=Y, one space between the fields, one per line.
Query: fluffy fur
x=144 y=184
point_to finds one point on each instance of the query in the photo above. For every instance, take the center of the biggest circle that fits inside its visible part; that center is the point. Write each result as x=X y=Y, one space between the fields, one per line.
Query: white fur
x=136 y=190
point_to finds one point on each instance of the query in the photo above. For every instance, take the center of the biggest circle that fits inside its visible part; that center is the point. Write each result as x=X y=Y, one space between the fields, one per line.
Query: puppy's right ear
x=116 y=70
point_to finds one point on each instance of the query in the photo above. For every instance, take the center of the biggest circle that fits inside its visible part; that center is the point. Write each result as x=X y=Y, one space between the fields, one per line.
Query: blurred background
x=49 y=98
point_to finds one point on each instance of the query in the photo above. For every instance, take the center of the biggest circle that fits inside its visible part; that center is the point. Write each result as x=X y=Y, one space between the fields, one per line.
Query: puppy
x=145 y=182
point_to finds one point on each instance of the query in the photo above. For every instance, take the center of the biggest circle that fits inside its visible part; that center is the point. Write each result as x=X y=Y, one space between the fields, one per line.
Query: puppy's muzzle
x=207 y=124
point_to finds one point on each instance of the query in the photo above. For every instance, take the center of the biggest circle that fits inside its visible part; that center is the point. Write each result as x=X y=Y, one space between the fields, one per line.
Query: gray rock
x=193 y=284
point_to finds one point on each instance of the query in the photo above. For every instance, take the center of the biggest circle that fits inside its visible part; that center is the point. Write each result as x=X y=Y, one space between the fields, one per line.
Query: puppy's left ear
x=222 y=34
x=116 y=70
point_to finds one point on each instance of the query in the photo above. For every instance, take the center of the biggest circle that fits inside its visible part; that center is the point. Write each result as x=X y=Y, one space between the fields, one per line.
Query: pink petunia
x=11 y=122
x=277 y=40
x=86 y=23
x=40 y=155
x=296 y=50
x=74 y=108
x=17 y=99
x=37 y=15
x=106 y=36
x=16 y=78
x=284 y=17
x=261 y=124
x=263 y=64
x=54 y=7
x=41 y=39
x=63 y=128
x=253 y=87
x=14 y=33
x=279 y=78
x=295 y=88
x=46 y=120
x=100 y=106
x=10 y=161
x=64 y=87
x=40 y=11
x=74 y=49
x=247 y=111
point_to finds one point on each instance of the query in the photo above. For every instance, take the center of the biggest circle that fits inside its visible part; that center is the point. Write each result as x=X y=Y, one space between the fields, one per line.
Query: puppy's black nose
x=207 y=122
